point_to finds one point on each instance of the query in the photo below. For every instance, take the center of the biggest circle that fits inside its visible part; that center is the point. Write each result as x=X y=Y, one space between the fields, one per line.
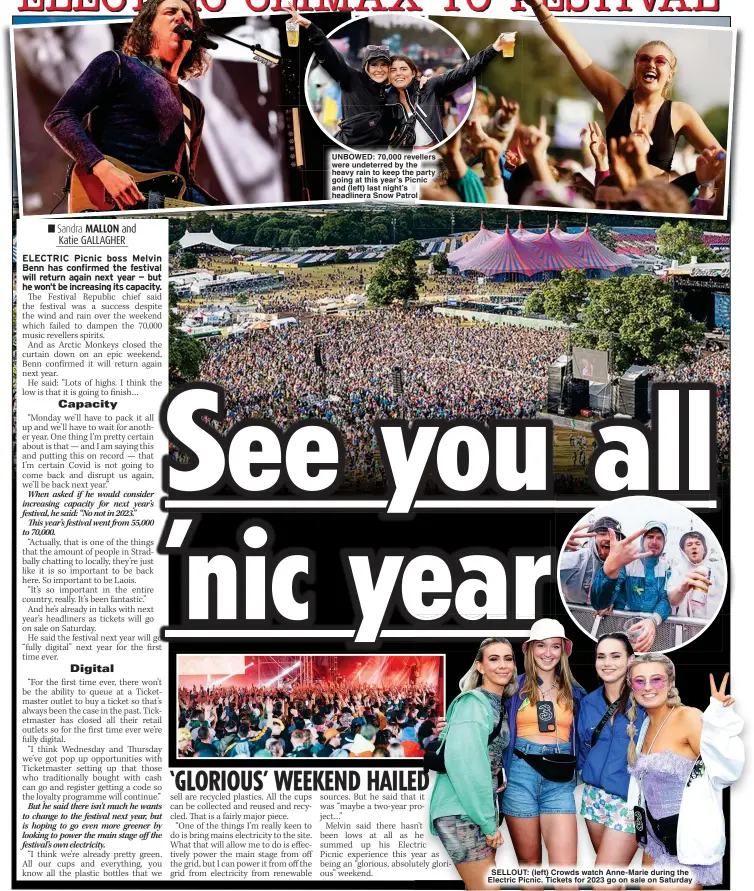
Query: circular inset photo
x=644 y=566
x=392 y=81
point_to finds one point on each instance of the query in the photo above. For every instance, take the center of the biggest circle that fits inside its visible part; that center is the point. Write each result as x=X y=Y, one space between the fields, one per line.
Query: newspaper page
x=371 y=380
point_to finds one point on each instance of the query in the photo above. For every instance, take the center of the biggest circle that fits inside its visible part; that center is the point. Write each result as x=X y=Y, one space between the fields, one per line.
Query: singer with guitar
x=144 y=129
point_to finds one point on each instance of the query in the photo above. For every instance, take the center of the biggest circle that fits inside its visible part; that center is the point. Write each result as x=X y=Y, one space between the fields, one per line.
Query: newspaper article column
x=92 y=371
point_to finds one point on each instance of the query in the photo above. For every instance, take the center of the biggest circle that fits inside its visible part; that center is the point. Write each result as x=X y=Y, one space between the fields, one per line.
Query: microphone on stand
x=187 y=33
x=266 y=57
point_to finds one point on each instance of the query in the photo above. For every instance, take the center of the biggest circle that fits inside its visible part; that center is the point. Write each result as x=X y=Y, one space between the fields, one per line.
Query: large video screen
x=590 y=365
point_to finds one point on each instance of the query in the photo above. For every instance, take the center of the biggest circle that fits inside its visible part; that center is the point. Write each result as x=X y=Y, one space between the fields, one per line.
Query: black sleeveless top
x=664 y=140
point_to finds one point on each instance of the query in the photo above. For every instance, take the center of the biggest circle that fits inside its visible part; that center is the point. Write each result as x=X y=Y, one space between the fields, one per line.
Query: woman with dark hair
x=539 y=802
x=603 y=755
x=464 y=809
x=419 y=108
x=137 y=111
x=362 y=90
x=643 y=107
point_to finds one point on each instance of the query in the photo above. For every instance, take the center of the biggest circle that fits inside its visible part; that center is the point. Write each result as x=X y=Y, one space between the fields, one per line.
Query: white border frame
x=378 y=149
x=654 y=501
x=443 y=657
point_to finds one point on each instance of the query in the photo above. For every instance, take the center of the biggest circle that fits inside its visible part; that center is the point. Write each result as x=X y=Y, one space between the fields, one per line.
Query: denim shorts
x=528 y=793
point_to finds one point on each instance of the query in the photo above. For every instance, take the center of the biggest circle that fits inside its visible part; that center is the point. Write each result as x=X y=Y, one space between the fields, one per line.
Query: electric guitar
x=165 y=188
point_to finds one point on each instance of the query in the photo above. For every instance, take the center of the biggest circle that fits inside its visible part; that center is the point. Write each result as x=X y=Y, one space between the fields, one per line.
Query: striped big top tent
x=480 y=238
x=595 y=255
x=504 y=255
x=556 y=254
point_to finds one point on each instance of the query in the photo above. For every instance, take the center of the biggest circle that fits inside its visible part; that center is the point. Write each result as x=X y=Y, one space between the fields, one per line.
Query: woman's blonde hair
x=473 y=677
x=564 y=680
x=672 y=59
x=674 y=697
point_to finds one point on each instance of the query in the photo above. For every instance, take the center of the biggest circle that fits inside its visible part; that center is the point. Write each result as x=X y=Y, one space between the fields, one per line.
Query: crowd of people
x=482 y=372
x=315 y=720
x=709 y=367
x=449 y=369
x=497 y=158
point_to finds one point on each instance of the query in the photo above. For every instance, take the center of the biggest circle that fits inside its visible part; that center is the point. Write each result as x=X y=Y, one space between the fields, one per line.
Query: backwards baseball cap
x=602 y=524
x=542 y=629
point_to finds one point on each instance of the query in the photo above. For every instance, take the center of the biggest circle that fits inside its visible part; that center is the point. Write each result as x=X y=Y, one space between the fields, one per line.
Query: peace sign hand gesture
x=622 y=553
x=720 y=694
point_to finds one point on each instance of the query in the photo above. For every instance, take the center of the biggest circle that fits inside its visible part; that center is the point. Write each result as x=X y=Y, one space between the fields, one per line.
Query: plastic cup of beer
x=635 y=634
x=509 y=44
x=700 y=589
x=291 y=32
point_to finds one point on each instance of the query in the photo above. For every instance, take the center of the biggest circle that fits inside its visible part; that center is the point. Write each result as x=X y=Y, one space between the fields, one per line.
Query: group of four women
x=514 y=745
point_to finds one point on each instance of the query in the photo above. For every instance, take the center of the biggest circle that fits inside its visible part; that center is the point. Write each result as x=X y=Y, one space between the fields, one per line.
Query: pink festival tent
x=481 y=238
x=565 y=236
x=596 y=255
x=525 y=234
x=530 y=254
x=505 y=255
x=557 y=254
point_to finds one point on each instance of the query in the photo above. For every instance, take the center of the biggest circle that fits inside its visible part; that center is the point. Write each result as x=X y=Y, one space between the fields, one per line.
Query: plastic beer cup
x=509 y=44
x=633 y=636
x=291 y=32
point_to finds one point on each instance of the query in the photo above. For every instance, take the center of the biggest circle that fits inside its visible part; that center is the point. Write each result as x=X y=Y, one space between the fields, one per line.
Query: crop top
x=527 y=724
x=664 y=140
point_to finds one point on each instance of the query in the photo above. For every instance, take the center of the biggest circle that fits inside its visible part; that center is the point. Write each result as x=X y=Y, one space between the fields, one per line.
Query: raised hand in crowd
x=534 y=143
x=598 y=147
x=711 y=164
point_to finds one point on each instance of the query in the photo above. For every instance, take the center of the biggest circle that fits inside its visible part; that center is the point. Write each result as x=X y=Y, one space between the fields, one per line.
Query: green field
x=563 y=452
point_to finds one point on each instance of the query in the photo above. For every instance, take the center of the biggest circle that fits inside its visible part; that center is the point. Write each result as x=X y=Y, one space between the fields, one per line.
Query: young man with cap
x=333 y=742
x=694 y=590
x=362 y=89
x=634 y=578
x=582 y=558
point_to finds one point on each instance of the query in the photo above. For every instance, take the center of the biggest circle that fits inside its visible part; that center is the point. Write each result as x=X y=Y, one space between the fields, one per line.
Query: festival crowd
x=710 y=368
x=315 y=720
x=482 y=372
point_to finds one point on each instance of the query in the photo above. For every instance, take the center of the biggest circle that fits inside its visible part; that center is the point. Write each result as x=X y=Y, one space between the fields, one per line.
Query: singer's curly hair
x=139 y=41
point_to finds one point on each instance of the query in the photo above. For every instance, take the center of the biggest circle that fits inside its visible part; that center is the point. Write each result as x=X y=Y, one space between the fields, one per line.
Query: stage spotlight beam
x=282 y=674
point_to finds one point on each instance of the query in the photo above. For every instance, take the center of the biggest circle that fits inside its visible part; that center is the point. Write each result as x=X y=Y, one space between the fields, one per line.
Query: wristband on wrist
x=712 y=184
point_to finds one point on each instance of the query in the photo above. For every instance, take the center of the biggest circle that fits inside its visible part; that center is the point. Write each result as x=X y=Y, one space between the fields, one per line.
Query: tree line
x=378 y=225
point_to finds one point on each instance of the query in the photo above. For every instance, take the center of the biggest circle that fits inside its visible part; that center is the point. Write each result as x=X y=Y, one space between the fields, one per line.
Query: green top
x=466 y=788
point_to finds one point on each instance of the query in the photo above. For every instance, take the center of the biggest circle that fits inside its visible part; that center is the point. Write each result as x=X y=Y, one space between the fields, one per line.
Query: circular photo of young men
x=391 y=81
x=644 y=566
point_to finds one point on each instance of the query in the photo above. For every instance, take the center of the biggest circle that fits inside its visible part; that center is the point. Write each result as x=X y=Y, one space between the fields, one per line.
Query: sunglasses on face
x=656 y=683
x=644 y=59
